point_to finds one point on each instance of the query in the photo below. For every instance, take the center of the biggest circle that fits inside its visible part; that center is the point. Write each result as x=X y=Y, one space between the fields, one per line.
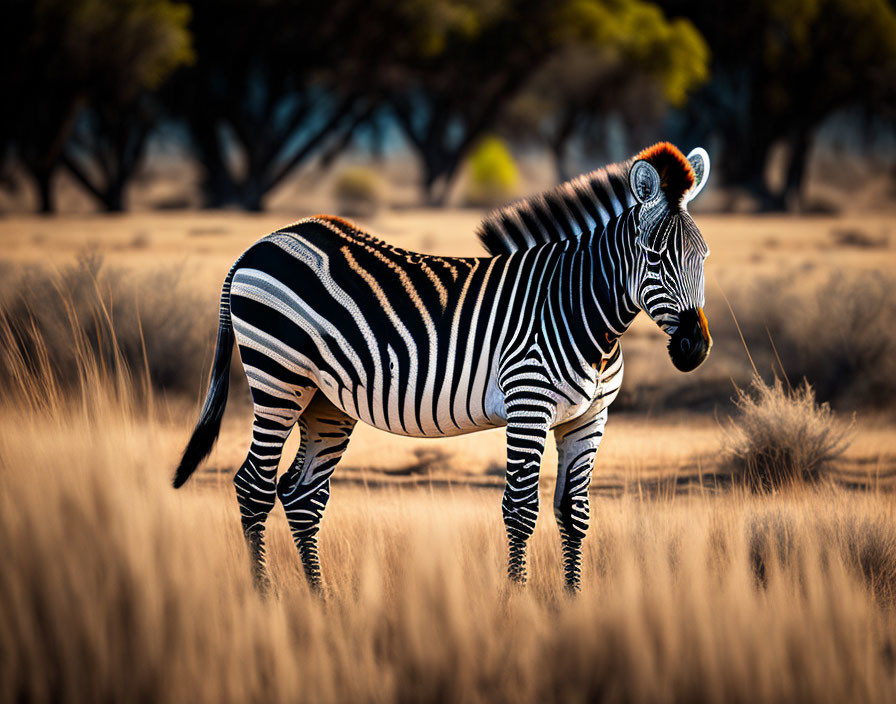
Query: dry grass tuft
x=861 y=542
x=782 y=436
x=154 y=324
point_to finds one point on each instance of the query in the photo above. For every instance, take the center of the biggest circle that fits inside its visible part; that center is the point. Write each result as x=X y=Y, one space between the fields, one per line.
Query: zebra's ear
x=700 y=163
x=644 y=181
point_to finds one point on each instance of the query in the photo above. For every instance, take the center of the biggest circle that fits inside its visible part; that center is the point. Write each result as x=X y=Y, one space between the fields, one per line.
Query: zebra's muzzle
x=691 y=341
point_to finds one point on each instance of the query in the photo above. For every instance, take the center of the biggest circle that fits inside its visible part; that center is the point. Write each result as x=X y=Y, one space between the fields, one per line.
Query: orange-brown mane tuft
x=676 y=172
x=334 y=219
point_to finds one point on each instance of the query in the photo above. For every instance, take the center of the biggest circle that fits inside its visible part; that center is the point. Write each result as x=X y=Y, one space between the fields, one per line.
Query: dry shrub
x=859 y=238
x=153 y=323
x=841 y=337
x=782 y=436
x=358 y=191
x=838 y=333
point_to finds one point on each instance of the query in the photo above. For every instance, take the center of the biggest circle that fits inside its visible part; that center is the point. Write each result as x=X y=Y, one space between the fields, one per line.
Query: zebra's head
x=669 y=251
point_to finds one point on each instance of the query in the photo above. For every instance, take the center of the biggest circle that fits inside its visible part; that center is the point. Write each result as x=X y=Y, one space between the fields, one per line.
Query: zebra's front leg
x=577 y=443
x=305 y=488
x=526 y=435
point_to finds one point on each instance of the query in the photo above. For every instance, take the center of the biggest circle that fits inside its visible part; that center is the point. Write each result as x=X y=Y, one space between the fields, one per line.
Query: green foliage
x=638 y=35
x=456 y=65
x=493 y=173
x=841 y=47
x=136 y=43
x=435 y=24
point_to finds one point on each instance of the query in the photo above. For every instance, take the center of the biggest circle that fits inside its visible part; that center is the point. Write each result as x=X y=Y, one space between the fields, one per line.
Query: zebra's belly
x=447 y=417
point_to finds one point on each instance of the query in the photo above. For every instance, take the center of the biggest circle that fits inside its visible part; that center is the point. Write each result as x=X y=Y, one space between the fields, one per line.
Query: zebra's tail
x=206 y=431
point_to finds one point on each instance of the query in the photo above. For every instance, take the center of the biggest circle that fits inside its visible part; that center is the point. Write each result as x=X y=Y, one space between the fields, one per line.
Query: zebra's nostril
x=685 y=345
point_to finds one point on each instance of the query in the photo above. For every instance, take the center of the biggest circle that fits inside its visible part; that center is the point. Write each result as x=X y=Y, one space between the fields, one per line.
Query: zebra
x=334 y=326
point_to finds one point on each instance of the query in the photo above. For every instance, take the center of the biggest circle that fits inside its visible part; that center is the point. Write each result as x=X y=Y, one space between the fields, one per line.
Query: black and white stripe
x=335 y=326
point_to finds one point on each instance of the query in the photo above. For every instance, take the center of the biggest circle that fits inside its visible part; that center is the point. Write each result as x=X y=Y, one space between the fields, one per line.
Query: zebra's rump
x=397 y=339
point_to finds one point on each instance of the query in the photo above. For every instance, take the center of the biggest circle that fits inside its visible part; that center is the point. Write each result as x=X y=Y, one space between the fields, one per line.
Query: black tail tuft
x=206 y=431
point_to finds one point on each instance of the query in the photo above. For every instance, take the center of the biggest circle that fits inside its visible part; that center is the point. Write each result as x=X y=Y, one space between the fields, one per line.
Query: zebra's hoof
x=572 y=589
x=317 y=587
x=517 y=577
x=262 y=584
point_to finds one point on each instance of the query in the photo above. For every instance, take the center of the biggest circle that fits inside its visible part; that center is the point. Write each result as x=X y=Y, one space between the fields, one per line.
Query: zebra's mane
x=565 y=211
x=580 y=205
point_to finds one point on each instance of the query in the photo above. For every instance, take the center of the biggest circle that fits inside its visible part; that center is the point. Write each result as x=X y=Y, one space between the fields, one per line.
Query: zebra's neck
x=589 y=292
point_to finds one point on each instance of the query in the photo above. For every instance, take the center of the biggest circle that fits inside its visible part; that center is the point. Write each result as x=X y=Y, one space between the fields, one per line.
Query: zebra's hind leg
x=255 y=481
x=305 y=488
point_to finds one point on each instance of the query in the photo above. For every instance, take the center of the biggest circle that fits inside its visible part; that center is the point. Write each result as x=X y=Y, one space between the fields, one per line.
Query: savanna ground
x=115 y=587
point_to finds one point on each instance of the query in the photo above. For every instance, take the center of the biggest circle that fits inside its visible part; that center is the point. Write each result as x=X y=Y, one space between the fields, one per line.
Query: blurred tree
x=463 y=61
x=780 y=68
x=83 y=50
x=274 y=82
x=109 y=138
x=108 y=143
x=628 y=61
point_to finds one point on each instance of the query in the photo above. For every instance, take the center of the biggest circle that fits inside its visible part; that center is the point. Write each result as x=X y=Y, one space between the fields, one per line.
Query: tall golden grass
x=116 y=588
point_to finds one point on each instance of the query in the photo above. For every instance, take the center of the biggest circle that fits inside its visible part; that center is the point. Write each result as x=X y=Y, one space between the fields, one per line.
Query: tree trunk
x=745 y=161
x=432 y=198
x=800 y=146
x=217 y=185
x=113 y=198
x=439 y=176
x=434 y=168
x=46 y=196
x=559 y=141
x=558 y=150
x=252 y=195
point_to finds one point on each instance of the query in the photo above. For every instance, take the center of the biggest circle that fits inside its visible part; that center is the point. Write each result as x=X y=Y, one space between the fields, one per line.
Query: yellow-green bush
x=493 y=175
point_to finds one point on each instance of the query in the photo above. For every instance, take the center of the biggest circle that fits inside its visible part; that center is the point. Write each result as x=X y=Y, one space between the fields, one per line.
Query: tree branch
x=311 y=143
x=82 y=177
